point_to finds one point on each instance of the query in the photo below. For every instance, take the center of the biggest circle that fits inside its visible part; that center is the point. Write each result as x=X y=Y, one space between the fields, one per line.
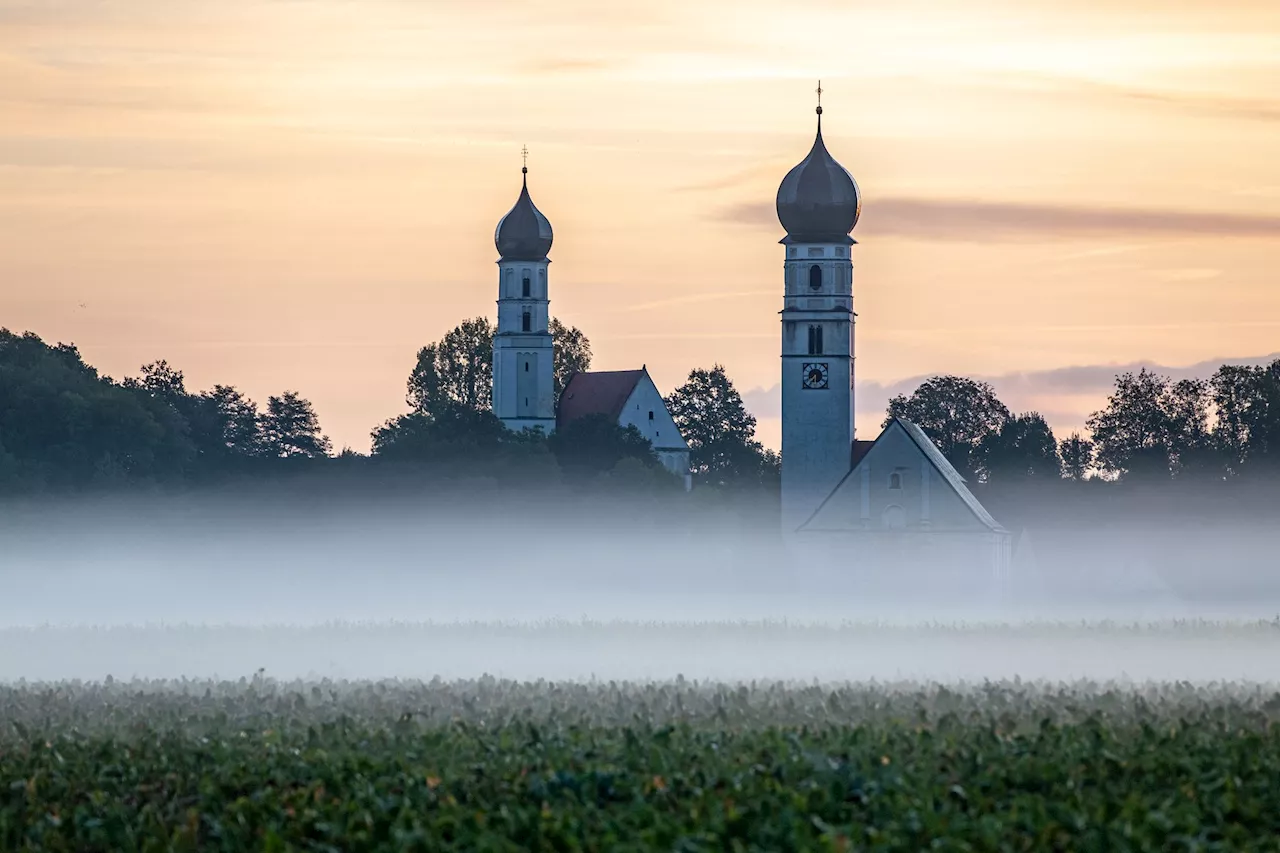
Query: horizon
x=299 y=197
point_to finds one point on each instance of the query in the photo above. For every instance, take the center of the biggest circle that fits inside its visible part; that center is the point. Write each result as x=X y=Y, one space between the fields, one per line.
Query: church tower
x=523 y=356
x=818 y=205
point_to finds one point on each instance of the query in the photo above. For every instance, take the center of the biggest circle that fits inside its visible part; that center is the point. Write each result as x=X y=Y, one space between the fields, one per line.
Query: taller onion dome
x=818 y=200
x=524 y=234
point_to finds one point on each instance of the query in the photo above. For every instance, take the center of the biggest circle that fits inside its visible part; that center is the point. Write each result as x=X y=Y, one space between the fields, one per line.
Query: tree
x=594 y=444
x=1023 y=447
x=458 y=370
x=1246 y=401
x=291 y=428
x=63 y=425
x=1077 y=456
x=161 y=381
x=454 y=428
x=720 y=431
x=957 y=414
x=572 y=353
x=239 y=420
x=1152 y=427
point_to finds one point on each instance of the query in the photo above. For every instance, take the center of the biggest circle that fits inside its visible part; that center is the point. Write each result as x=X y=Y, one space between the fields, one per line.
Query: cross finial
x=819 y=90
x=524 y=155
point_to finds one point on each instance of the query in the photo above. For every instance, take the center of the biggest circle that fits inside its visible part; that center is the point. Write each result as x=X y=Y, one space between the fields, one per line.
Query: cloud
x=971 y=220
x=1020 y=391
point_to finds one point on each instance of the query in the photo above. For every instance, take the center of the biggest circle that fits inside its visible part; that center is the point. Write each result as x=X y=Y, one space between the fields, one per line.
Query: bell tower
x=523 y=354
x=818 y=204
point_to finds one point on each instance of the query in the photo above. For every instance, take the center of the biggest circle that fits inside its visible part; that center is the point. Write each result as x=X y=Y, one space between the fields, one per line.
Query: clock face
x=815 y=375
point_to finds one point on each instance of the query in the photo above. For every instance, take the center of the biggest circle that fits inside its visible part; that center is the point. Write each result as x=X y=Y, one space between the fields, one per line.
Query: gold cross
x=524 y=154
x=819 y=93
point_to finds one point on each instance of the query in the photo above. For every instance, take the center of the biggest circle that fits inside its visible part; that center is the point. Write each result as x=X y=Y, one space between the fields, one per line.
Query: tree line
x=1152 y=428
x=64 y=426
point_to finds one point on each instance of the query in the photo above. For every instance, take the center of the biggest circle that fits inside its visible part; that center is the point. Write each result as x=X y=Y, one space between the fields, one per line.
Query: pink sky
x=297 y=194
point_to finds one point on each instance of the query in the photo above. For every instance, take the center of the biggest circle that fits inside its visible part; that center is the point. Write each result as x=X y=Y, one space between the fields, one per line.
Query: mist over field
x=211 y=586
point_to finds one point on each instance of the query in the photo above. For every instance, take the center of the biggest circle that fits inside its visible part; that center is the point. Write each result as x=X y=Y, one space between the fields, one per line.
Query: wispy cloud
x=971 y=220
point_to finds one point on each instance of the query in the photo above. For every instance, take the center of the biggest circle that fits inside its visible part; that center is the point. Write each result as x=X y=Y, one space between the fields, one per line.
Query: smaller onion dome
x=818 y=200
x=524 y=234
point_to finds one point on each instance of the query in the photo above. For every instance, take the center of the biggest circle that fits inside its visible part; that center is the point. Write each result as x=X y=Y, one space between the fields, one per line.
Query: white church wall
x=895 y=482
x=647 y=412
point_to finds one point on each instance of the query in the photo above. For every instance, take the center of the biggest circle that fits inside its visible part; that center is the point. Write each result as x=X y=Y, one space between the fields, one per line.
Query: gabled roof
x=599 y=392
x=945 y=470
x=857 y=450
x=948 y=473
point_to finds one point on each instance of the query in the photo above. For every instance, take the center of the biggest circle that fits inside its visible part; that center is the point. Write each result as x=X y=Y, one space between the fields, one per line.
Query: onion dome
x=818 y=200
x=524 y=234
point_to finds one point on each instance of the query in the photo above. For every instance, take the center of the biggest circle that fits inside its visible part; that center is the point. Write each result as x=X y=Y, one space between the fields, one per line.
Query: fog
x=220 y=586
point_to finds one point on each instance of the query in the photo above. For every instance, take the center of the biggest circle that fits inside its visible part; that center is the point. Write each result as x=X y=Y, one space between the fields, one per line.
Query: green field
x=257 y=764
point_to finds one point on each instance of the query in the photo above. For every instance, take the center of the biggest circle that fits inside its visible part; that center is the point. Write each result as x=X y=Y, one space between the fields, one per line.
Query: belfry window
x=526 y=288
x=526 y=322
x=815 y=277
x=815 y=340
x=895 y=480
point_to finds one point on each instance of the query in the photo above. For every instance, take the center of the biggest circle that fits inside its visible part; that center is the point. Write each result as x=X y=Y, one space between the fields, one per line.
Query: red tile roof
x=600 y=392
x=858 y=450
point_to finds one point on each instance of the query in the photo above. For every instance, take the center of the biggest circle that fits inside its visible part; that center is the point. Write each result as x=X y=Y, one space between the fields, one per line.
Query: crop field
x=489 y=764
x=630 y=735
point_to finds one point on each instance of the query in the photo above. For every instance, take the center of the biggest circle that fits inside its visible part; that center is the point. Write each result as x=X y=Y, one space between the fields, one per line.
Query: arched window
x=526 y=287
x=894 y=518
x=895 y=480
x=526 y=322
x=815 y=340
x=815 y=277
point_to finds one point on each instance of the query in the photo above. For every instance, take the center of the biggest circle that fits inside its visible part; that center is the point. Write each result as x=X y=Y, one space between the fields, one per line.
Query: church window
x=526 y=367
x=526 y=287
x=815 y=277
x=651 y=415
x=526 y=322
x=895 y=480
x=815 y=340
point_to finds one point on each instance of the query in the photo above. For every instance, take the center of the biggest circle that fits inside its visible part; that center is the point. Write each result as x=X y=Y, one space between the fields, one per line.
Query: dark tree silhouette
x=572 y=353
x=958 y=414
x=1152 y=427
x=720 y=431
x=1076 y=453
x=458 y=369
x=63 y=426
x=1246 y=400
x=290 y=428
x=241 y=425
x=594 y=444
x=1023 y=447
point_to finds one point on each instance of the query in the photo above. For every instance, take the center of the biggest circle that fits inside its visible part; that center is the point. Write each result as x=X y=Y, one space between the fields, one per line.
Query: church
x=895 y=501
x=524 y=354
x=888 y=504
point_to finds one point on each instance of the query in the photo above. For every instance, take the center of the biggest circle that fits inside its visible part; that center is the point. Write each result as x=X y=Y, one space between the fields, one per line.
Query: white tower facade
x=818 y=205
x=523 y=352
x=817 y=375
